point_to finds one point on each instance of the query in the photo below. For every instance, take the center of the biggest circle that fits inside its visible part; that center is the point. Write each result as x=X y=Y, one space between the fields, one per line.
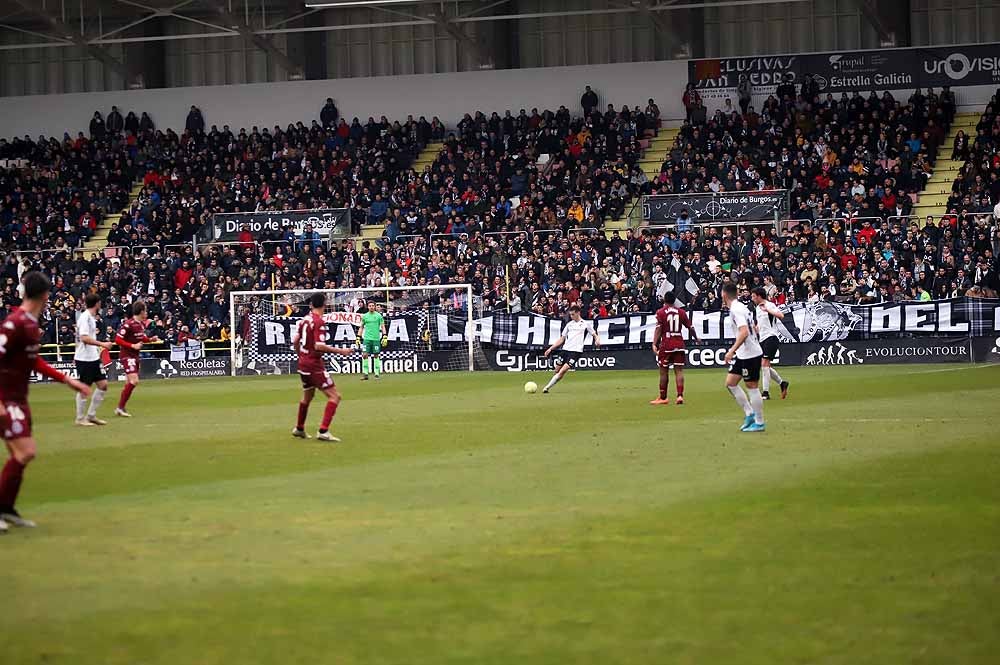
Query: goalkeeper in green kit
x=372 y=338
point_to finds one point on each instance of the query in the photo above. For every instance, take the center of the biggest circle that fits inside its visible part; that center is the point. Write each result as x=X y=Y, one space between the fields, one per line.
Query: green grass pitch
x=462 y=521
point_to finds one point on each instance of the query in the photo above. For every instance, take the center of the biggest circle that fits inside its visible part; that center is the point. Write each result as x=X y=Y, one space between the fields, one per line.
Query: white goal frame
x=383 y=291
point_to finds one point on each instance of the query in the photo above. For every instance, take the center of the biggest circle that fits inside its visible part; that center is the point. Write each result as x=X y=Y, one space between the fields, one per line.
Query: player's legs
x=365 y=365
x=751 y=377
x=131 y=382
x=22 y=451
x=377 y=359
x=733 y=385
x=664 y=384
x=300 y=423
x=679 y=381
x=765 y=365
x=95 y=402
x=81 y=408
x=557 y=377
x=332 y=402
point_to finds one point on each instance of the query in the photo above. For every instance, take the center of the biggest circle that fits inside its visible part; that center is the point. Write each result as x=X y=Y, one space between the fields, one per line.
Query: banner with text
x=759 y=206
x=847 y=71
x=803 y=322
x=226 y=227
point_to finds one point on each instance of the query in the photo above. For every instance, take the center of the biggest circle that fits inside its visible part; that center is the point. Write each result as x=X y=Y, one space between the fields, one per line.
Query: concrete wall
x=447 y=96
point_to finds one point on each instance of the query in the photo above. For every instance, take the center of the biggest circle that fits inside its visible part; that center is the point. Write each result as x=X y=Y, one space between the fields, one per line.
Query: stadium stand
x=537 y=210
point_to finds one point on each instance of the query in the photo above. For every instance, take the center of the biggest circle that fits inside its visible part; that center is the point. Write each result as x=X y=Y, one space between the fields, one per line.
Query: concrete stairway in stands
x=651 y=162
x=100 y=238
x=427 y=156
x=934 y=197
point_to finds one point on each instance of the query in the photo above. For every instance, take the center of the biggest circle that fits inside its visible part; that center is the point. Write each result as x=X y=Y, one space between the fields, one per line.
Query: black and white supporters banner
x=803 y=322
x=226 y=227
x=748 y=206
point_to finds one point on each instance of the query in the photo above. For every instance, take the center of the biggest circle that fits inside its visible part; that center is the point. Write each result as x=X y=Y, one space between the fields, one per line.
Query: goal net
x=428 y=328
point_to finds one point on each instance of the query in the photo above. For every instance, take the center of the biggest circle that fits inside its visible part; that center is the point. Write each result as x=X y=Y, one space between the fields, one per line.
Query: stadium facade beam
x=384 y=24
x=456 y=32
x=258 y=39
x=890 y=19
x=65 y=33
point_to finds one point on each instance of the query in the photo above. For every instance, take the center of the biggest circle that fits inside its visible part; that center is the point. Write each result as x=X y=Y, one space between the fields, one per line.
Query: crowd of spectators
x=514 y=204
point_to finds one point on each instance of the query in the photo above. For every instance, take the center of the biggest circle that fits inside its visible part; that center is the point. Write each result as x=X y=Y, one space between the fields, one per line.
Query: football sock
x=741 y=399
x=378 y=366
x=303 y=412
x=774 y=374
x=765 y=381
x=126 y=394
x=96 y=401
x=364 y=365
x=664 y=381
x=553 y=381
x=81 y=406
x=757 y=404
x=328 y=412
x=679 y=380
x=10 y=483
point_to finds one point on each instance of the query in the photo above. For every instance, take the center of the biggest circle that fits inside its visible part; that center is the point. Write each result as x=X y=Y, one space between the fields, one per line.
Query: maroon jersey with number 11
x=672 y=321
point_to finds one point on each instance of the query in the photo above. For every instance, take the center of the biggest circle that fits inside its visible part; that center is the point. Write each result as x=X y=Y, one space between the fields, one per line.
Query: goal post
x=428 y=328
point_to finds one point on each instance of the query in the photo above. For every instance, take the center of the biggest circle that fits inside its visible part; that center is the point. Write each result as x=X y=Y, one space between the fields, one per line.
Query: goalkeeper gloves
x=385 y=342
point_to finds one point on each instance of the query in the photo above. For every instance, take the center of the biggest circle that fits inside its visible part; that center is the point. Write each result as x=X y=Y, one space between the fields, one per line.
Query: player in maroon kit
x=131 y=337
x=309 y=341
x=20 y=340
x=668 y=346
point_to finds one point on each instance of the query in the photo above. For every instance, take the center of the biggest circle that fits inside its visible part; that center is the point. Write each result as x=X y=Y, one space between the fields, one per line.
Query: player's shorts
x=15 y=420
x=770 y=347
x=671 y=358
x=371 y=346
x=130 y=365
x=568 y=358
x=90 y=372
x=748 y=368
x=319 y=380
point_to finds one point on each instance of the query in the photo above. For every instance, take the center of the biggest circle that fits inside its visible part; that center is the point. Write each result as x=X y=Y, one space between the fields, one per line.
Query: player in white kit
x=744 y=358
x=767 y=313
x=87 y=358
x=574 y=335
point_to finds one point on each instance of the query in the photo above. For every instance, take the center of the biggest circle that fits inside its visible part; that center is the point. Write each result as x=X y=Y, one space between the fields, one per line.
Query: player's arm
x=92 y=341
x=555 y=345
x=51 y=372
x=742 y=332
x=125 y=344
x=326 y=348
x=774 y=311
x=686 y=322
x=594 y=336
x=657 y=335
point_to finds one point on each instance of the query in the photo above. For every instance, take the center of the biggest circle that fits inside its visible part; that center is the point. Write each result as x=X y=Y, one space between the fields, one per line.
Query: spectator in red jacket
x=182 y=276
x=866 y=234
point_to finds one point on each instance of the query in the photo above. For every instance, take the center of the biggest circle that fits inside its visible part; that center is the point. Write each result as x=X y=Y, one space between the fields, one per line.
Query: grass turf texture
x=463 y=521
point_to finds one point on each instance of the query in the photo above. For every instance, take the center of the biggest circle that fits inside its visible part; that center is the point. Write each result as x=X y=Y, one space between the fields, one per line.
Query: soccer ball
x=531 y=387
